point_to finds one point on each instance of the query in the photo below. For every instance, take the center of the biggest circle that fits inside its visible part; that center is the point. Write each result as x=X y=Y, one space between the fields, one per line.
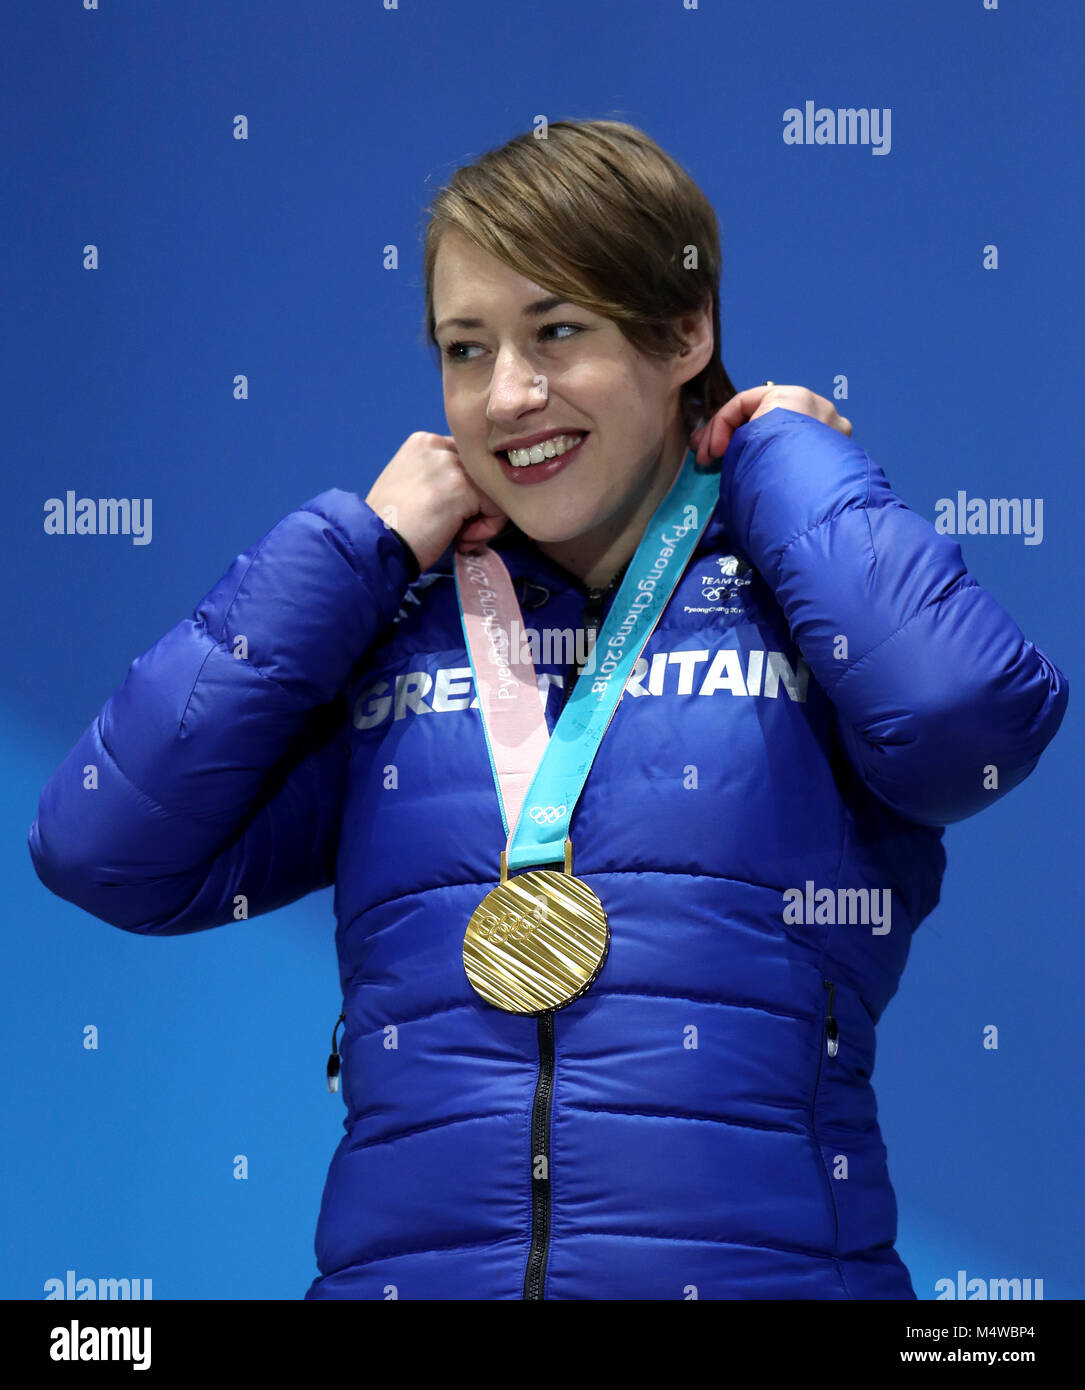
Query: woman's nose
x=516 y=385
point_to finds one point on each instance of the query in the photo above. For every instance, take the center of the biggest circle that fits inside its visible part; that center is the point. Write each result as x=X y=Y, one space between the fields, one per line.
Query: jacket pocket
x=832 y=1044
x=334 y=1060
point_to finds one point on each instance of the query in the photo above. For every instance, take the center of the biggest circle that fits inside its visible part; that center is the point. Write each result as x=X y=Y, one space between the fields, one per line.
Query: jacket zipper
x=830 y=1050
x=831 y=1031
x=539 y=1250
x=535 y=1275
x=333 y=1060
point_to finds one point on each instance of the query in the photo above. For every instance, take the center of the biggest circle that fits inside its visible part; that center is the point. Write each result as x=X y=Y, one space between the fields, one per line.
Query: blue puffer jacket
x=827 y=689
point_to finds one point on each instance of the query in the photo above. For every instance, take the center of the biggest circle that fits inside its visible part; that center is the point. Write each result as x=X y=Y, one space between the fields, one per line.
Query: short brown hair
x=599 y=214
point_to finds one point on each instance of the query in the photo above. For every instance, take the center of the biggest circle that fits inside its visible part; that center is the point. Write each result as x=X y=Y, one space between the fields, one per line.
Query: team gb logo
x=731 y=569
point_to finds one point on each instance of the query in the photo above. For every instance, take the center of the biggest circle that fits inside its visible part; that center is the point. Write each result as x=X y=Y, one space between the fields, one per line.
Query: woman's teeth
x=548 y=449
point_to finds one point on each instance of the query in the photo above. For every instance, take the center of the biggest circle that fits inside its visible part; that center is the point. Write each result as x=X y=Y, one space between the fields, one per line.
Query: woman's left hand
x=711 y=440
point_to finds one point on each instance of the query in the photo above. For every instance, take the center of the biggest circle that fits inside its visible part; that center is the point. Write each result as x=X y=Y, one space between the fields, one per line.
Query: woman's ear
x=696 y=329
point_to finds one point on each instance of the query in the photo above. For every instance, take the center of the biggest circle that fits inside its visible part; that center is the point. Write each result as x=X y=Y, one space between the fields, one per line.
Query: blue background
x=264 y=257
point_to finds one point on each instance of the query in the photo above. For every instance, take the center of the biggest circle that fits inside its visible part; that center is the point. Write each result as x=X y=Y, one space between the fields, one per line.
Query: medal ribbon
x=533 y=769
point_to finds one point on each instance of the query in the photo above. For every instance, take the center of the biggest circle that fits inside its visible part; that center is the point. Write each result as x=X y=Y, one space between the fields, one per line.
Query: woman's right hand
x=425 y=494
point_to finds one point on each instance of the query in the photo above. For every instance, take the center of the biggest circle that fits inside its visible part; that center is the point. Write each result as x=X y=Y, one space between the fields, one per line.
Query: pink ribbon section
x=508 y=691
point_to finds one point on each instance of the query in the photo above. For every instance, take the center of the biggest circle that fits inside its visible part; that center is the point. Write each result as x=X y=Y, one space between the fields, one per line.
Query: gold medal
x=536 y=941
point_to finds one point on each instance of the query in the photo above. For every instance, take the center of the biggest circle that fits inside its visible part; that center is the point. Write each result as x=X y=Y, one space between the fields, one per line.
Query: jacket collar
x=526 y=562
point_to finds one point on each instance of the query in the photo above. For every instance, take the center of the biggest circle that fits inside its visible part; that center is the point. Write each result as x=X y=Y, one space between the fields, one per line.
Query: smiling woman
x=525 y=382
x=638 y=1072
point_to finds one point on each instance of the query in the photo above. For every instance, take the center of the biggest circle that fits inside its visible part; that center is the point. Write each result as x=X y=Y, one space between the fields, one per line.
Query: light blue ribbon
x=653 y=574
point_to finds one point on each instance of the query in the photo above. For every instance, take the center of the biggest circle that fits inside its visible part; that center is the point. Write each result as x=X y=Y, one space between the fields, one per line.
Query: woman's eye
x=574 y=326
x=457 y=351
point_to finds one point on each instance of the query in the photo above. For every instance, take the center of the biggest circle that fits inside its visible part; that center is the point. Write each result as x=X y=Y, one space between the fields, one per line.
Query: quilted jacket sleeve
x=217 y=770
x=936 y=683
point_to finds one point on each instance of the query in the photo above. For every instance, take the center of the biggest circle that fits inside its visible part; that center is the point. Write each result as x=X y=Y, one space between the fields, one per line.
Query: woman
x=813 y=688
